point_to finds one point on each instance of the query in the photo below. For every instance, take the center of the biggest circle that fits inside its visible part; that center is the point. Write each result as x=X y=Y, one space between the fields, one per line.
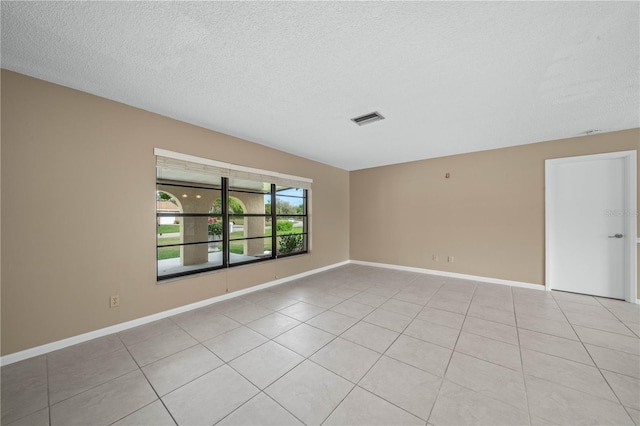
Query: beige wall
x=78 y=212
x=489 y=215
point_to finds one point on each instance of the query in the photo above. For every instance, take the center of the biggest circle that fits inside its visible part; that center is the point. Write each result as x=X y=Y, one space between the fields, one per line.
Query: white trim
x=60 y=344
x=451 y=275
x=631 y=206
x=206 y=161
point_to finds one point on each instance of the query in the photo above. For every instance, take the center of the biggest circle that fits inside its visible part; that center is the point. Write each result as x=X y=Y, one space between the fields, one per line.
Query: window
x=212 y=215
x=253 y=236
x=291 y=220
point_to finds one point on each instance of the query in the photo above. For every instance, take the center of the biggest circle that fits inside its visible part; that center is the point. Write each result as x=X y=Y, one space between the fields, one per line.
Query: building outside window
x=212 y=215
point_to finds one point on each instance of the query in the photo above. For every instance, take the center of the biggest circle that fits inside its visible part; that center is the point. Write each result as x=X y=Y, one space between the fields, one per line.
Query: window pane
x=171 y=252
x=168 y=208
x=194 y=229
x=180 y=259
x=192 y=224
x=250 y=227
x=291 y=244
x=193 y=176
x=248 y=202
x=249 y=185
x=169 y=234
x=186 y=199
x=291 y=224
x=247 y=250
x=288 y=191
x=288 y=205
x=215 y=229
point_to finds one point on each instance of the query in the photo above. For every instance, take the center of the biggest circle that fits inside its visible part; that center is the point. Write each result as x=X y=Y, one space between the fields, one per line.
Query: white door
x=587 y=225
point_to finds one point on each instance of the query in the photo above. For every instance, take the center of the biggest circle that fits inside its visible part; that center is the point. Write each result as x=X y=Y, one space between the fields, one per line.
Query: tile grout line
x=375 y=395
x=341 y=401
x=582 y=343
x=46 y=360
x=362 y=319
x=283 y=407
x=595 y=363
x=91 y=387
x=149 y=383
x=633 y=336
x=356 y=385
x=279 y=377
x=619 y=320
x=499 y=365
x=260 y=391
x=629 y=412
x=524 y=380
x=374 y=282
x=444 y=374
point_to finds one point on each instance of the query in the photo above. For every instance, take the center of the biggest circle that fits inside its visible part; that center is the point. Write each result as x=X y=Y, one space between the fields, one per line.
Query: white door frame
x=630 y=214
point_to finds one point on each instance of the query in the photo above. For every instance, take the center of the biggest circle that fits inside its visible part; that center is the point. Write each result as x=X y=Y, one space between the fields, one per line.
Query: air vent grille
x=368 y=118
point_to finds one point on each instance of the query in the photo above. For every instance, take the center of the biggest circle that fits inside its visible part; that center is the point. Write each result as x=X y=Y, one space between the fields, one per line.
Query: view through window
x=206 y=221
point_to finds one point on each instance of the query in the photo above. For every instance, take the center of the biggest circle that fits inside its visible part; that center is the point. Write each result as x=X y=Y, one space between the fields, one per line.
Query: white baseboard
x=451 y=275
x=60 y=344
x=456 y=275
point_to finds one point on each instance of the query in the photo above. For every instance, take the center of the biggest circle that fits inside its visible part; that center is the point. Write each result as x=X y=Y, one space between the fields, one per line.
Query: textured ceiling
x=450 y=77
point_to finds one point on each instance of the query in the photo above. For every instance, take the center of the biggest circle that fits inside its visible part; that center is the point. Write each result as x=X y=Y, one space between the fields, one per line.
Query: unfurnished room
x=319 y=213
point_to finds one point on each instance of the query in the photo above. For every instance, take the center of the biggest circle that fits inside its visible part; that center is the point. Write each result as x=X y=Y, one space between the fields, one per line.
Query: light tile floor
x=354 y=345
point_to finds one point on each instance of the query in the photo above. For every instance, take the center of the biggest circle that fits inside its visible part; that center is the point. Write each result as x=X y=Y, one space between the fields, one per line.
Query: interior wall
x=488 y=215
x=78 y=212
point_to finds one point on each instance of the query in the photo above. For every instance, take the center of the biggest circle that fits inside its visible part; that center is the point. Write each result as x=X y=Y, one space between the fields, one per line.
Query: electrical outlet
x=114 y=301
x=450 y=259
x=434 y=257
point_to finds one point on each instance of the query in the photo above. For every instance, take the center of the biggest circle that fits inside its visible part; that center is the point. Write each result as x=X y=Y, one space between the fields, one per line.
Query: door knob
x=616 y=236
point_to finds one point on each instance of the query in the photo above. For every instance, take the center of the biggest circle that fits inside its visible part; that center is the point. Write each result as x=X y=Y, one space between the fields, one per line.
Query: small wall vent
x=368 y=118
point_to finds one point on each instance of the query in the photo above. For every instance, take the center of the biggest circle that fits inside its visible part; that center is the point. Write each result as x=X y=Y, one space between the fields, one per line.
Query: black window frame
x=226 y=252
x=304 y=216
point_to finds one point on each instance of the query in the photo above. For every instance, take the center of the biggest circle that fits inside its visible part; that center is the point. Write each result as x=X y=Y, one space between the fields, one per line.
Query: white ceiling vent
x=368 y=118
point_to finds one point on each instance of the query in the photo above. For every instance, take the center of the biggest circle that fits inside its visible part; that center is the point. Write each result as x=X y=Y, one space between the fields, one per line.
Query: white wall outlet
x=450 y=259
x=114 y=301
